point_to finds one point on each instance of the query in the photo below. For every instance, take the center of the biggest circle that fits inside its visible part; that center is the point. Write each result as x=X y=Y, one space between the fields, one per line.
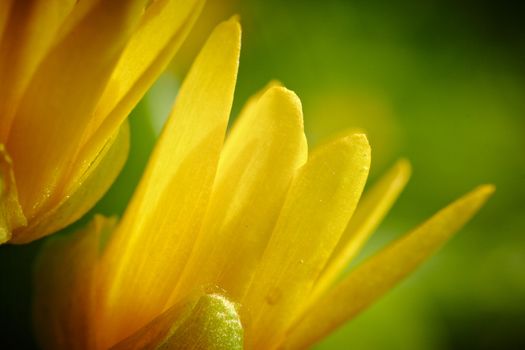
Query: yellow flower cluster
x=235 y=245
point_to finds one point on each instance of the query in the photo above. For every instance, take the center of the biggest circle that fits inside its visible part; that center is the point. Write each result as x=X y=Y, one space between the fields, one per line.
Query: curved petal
x=64 y=280
x=5 y=9
x=83 y=192
x=264 y=150
x=166 y=212
x=30 y=29
x=370 y=212
x=321 y=200
x=380 y=273
x=61 y=98
x=161 y=32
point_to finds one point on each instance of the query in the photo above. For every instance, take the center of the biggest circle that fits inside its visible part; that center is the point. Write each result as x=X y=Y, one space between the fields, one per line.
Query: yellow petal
x=162 y=30
x=318 y=206
x=85 y=189
x=80 y=12
x=205 y=322
x=29 y=33
x=64 y=279
x=5 y=9
x=380 y=273
x=264 y=150
x=61 y=97
x=11 y=215
x=370 y=212
x=147 y=253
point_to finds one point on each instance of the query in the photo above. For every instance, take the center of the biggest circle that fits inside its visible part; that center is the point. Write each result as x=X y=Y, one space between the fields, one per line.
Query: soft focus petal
x=370 y=212
x=83 y=191
x=29 y=31
x=5 y=8
x=317 y=208
x=64 y=279
x=264 y=150
x=380 y=273
x=147 y=253
x=61 y=97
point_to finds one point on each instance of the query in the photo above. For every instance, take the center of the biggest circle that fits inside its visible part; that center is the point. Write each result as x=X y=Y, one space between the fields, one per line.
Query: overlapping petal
x=380 y=273
x=370 y=212
x=162 y=30
x=321 y=200
x=173 y=194
x=65 y=277
x=82 y=192
x=53 y=115
x=262 y=153
x=27 y=31
x=234 y=246
x=71 y=73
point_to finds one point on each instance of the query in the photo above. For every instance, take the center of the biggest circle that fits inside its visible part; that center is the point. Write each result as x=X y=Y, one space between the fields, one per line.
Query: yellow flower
x=241 y=245
x=70 y=73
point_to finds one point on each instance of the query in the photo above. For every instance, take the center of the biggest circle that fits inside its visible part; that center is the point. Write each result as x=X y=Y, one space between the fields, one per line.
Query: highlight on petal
x=11 y=214
x=262 y=153
x=64 y=294
x=202 y=322
x=321 y=200
x=369 y=214
x=158 y=230
x=377 y=275
x=83 y=191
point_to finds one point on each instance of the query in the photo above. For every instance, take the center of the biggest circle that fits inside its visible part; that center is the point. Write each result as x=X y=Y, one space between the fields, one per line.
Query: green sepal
x=203 y=322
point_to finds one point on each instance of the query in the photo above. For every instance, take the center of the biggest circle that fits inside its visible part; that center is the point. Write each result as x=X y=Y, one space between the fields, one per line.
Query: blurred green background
x=439 y=82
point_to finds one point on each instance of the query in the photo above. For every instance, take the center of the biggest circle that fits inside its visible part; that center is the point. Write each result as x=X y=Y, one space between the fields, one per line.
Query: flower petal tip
x=287 y=98
x=228 y=31
x=236 y=18
x=358 y=141
x=274 y=82
x=358 y=137
x=481 y=193
x=404 y=165
x=232 y=24
x=403 y=169
x=487 y=189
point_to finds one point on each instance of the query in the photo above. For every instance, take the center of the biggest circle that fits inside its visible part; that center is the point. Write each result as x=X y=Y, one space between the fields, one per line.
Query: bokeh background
x=440 y=82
